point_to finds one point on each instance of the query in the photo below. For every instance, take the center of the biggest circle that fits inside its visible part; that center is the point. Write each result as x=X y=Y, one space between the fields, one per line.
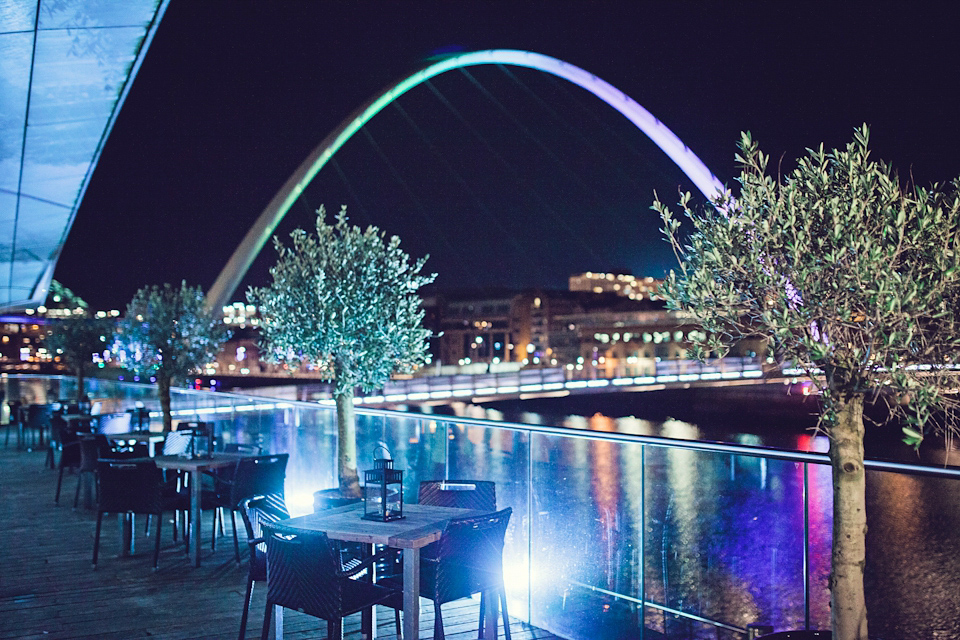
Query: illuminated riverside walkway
x=615 y=535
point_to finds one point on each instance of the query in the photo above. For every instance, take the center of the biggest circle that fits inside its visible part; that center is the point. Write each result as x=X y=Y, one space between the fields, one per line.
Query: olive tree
x=855 y=279
x=75 y=340
x=168 y=333
x=74 y=336
x=344 y=301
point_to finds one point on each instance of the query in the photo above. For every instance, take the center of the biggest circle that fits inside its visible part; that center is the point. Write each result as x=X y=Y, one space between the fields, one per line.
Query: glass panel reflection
x=600 y=525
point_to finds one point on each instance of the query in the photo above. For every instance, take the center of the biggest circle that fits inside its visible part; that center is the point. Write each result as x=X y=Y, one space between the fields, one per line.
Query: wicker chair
x=256 y=512
x=133 y=487
x=254 y=476
x=462 y=494
x=70 y=457
x=92 y=448
x=467 y=559
x=304 y=573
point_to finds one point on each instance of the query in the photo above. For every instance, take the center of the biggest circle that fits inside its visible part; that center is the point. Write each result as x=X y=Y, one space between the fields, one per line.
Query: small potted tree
x=854 y=279
x=167 y=334
x=345 y=301
x=75 y=337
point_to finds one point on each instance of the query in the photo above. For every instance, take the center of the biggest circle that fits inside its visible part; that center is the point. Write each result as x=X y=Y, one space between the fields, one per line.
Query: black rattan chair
x=70 y=457
x=245 y=449
x=92 y=448
x=462 y=494
x=304 y=573
x=254 y=476
x=39 y=421
x=133 y=487
x=467 y=559
x=256 y=512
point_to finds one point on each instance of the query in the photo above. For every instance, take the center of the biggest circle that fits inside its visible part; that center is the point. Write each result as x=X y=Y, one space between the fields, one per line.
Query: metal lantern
x=382 y=492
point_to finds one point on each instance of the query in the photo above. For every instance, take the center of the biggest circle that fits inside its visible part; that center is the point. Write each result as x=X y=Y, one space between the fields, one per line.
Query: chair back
x=245 y=449
x=302 y=573
x=70 y=454
x=39 y=416
x=113 y=423
x=92 y=449
x=462 y=494
x=177 y=442
x=259 y=476
x=139 y=418
x=469 y=555
x=129 y=486
x=256 y=513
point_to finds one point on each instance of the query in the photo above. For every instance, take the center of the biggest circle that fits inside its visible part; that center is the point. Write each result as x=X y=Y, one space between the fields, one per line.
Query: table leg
x=195 y=482
x=368 y=617
x=411 y=594
x=278 y=623
x=127 y=523
x=492 y=613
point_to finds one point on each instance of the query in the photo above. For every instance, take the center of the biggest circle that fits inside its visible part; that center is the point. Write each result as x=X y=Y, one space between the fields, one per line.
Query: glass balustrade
x=612 y=533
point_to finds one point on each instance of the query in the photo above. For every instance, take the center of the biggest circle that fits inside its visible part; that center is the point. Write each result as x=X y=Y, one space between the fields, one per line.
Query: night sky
x=506 y=177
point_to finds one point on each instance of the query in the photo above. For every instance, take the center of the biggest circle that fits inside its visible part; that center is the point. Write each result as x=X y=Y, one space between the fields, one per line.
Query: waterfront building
x=622 y=284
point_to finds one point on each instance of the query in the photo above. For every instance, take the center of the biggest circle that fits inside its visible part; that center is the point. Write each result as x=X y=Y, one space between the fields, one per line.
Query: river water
x=721 y=535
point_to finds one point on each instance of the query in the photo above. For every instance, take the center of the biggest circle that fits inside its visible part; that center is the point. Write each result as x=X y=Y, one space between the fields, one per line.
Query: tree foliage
x=345 y=301
x=75 y=340
x=849 y=274
x=167 y=333
x=853 y=278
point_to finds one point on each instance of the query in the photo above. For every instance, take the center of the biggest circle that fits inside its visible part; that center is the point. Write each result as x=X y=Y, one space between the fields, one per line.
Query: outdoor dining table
x=195 y=467
x=421 y=525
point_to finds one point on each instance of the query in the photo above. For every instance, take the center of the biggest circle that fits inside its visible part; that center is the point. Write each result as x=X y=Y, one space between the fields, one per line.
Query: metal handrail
x=774 y=453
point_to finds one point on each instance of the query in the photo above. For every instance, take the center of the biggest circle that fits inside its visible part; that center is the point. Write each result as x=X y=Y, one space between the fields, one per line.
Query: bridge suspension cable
x=258 y=235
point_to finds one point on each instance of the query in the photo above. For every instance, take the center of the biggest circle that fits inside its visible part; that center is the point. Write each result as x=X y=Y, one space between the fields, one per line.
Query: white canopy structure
x=66 y=67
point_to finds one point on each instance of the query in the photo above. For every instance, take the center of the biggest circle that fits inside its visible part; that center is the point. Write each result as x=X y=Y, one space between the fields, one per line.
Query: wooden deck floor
x=48 y=588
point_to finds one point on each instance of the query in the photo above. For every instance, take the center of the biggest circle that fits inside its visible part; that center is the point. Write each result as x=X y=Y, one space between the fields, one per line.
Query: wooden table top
x=139 y=436
x=421 y=525
x=219 y=460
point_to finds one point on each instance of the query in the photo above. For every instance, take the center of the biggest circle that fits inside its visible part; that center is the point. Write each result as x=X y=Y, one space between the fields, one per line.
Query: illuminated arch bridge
x=276 y=209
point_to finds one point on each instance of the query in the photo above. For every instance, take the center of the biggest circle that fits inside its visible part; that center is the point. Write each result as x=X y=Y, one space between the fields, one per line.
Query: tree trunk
x=80 y=392
x=163 y=386
x=347 y=445
x=849 y=609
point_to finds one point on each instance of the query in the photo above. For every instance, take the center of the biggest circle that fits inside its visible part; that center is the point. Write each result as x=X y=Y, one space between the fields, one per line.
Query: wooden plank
x=49 y=590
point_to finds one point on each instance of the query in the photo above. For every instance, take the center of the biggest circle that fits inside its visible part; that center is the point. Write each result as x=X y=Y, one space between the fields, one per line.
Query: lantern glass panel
x=383 y=492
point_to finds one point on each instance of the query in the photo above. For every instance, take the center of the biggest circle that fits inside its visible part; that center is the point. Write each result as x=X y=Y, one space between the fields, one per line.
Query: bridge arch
x=259 y=234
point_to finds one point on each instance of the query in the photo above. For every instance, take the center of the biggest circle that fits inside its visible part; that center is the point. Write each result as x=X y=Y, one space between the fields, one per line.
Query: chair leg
x=335 y=629
x=396 y=622
x=76 y=496
x=503 y=608
x=483 y=614
x=246 y=607
x=56 y=499
x=236 y=540
x=156 y=543
x=437 y=622
x=96 y=538
x=213 y=538
x=265 y=633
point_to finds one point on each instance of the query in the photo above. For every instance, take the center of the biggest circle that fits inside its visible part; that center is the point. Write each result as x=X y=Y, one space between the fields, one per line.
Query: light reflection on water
x=722 y=534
